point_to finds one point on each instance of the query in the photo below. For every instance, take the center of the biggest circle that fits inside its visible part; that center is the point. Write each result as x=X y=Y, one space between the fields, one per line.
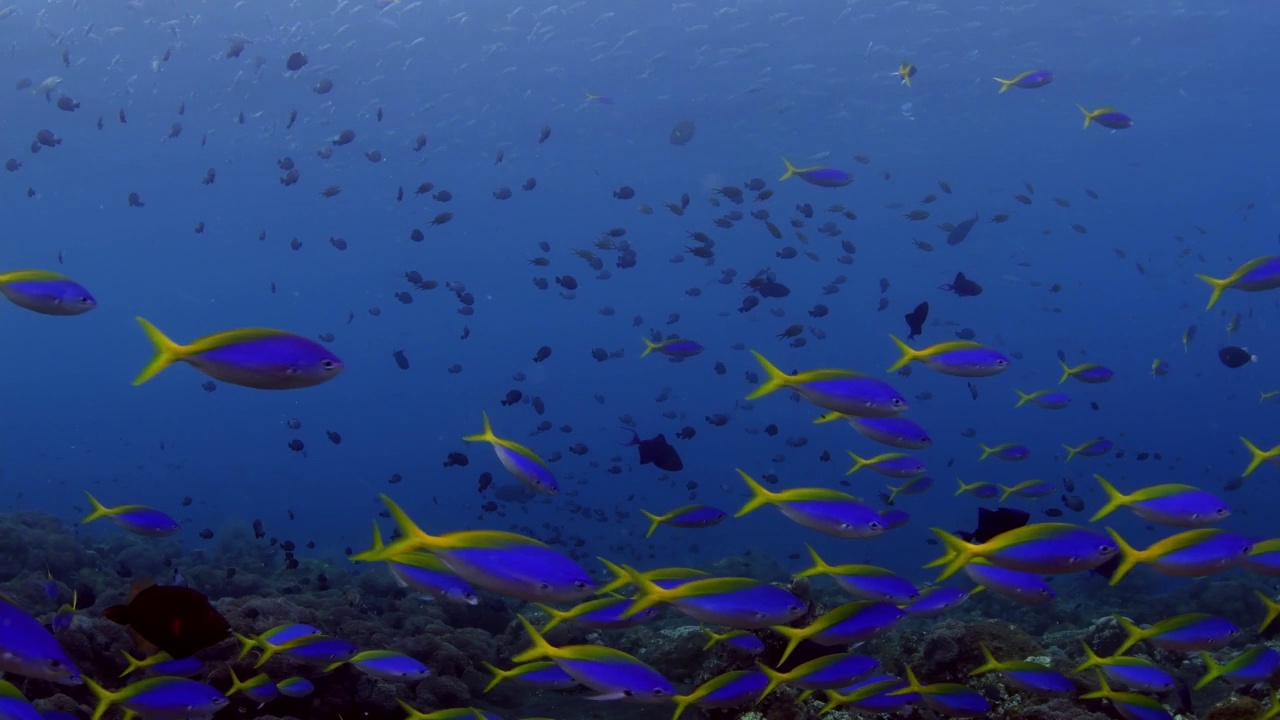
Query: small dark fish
x=178 y=620
x=993 y=523
x=296 y=61
x=625 y=192
x=656 y=451
x=682 y=133
x=544 y=134
x=961 y=230
x=543 y=353
x=334 y=437
x=915 y=320
x=402 y=361
x=1236 y=357
x=962 y=286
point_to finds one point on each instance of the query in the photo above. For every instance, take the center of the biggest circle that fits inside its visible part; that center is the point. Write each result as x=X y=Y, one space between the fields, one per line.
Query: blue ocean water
x=1188 y=189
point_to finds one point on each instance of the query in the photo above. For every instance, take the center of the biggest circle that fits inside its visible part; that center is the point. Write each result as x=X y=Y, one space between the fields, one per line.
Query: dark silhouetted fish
x=961 y=230
x=683 y=132
x=962 y=286
x=177 y=620
x=657 y=451
x=915 y=320
x=992 y=523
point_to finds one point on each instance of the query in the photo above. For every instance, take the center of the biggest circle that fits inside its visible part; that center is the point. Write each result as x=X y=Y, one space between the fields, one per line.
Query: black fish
x=1235 y=357
x=962 y=286
x=961 y=230
x=682 y=133
x=657 y=451
x=992 y=523
x=177 y=620
x=915 y=320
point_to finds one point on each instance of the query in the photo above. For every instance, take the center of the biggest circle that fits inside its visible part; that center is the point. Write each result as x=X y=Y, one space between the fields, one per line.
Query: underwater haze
x=363 y=232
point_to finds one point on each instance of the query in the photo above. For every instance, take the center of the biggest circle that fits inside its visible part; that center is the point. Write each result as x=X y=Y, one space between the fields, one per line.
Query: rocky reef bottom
x=255 y=588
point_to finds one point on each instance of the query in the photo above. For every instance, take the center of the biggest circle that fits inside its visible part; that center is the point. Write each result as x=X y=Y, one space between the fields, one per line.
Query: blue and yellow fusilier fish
x=1262 y=273
x=913 y=486
x=385 y=665
x=1191 y=632
x=426 y=574
x=1131 y=672
x=1169 y=504
x=1092 y=448
x=543 y=674
x=295 y=687
x=29 y=650
x=523 y=463
x=829 y=672
x=727 y=690
x=961 y=358
x=741 y=603
x=1091 y=373
x=1193 y=553
x=1107 y=117
x=948 y=699
x=613 y=674
x=676 y=348
x=167 y=697
x=821 y=176
x=980 y=489
x=1130 y=705
x=1027 y=676
x=1028 y=489
x=687 y=516
x=259 y=358
x=273 y=641
x=893 y=430
x=1047 y=399
x=1011 y=452
x=662 y=577
x=462 y=713
x=47 y=293
x=938 y=600
x=317 y=650
x=868 y=582
x=872 y=696
x=1028 y=80
x=503 y=562
x=162 y=664
x=137 y=519
x=906 y=71
x=828 y=511
x=1023 y=587
x=260 y=688
x=1048 y=548
x=842 y=391
x=894 y=465
x=743 y=641
x=600 y=614
x=855 y=622
x=1255 y=665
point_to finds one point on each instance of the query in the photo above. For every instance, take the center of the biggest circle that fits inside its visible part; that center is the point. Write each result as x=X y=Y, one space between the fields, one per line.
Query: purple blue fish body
x=259 y=358
x=826 y=177
x=27 y=649
x=47 y=293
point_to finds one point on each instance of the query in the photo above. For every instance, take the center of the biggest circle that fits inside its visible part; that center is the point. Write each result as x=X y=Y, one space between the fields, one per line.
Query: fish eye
x=897 y=402
x=580 y=584
x=1105 y=549
x=1220 y=511
x=627 y=693
x=83 y=300
x=659 y=692
x=55 y=664
x=544 y=587
x=326 y=364
x=874 y=525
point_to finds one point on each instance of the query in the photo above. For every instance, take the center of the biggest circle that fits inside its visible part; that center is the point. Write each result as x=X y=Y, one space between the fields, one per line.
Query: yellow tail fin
x=908 y=354
x=1115 y=499
x=791 y=170
x=167 y=352
x=99 y=510
x=485 y=435
x=774 y=379
x=1218 y=286
x=759 y=495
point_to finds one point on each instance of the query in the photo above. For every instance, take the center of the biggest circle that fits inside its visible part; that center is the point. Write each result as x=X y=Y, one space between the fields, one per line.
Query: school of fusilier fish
x=1009 y=556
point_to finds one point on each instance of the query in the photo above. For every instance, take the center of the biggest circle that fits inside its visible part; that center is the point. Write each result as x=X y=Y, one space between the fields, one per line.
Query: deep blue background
x=761 y=80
